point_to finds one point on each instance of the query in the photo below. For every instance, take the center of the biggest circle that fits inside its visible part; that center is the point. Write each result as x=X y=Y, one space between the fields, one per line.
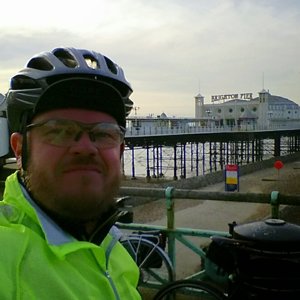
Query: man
x=66 y=111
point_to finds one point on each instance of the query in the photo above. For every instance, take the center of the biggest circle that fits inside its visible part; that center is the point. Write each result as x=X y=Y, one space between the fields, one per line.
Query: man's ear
x=16 y=144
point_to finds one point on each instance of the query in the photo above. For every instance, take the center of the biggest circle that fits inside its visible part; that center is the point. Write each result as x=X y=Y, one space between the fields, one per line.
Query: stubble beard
x=76 y=208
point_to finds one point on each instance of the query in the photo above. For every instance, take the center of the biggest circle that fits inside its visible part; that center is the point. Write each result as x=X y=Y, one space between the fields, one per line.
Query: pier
x=187 y=152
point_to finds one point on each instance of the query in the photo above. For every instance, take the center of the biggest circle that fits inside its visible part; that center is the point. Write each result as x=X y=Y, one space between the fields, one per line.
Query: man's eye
x=69 y=131
x=52 y=130
x=101 y=134
x=60 y=131
x=108 y=135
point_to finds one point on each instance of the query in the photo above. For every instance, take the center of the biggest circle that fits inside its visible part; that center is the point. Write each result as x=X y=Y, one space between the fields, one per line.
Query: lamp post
x=136 y=123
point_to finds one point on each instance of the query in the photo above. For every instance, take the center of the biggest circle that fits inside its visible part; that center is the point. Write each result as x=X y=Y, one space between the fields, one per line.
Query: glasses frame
x=85 y=128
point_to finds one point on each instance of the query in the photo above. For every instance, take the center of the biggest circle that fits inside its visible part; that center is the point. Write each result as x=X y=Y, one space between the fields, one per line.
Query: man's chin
x=85 y=193
x=84 y=205
x=74 y=196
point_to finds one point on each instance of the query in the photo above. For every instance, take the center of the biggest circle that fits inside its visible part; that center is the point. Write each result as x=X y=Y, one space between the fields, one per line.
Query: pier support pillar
x=277 y=146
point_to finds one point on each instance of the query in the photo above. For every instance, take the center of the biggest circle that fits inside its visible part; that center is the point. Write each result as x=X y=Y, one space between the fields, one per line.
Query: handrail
x=170 y=193
x=185 y=129
x=207 y=195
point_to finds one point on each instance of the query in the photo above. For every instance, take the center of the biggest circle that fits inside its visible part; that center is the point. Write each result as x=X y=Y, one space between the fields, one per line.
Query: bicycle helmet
x=67 y=78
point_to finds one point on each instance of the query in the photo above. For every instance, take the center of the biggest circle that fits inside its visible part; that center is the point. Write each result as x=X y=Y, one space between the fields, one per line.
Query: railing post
x=171 y=225
x=274 y=205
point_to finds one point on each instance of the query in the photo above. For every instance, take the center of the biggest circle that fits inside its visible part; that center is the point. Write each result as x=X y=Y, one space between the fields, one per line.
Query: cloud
x=171 y=50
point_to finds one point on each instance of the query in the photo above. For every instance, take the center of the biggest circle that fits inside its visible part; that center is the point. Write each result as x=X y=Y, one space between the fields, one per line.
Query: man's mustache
x=84 y=161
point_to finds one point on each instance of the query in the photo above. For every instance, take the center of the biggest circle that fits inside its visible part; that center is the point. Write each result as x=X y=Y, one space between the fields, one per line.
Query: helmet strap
x=24 y=142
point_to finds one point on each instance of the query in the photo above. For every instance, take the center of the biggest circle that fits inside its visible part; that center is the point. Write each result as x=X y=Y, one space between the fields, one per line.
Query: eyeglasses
x=66 y=133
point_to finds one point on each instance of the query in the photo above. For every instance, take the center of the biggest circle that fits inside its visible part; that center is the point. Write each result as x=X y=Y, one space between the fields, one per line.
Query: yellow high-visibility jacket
x=38 y=260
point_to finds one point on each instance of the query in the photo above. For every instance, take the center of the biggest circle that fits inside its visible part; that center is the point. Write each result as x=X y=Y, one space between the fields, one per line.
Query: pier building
x=263 y=112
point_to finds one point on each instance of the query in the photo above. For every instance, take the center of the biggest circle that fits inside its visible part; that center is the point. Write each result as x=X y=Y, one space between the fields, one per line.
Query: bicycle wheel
x=189 y=290
x=155 y=266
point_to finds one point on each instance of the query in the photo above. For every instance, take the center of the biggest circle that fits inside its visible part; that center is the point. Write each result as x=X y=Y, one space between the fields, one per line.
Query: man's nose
x=83 y=143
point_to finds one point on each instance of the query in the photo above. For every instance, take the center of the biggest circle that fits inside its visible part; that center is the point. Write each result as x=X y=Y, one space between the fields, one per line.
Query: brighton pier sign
x=245 y=96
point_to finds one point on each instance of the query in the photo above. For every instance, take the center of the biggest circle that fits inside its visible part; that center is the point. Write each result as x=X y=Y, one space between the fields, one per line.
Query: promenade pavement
x=215 y=215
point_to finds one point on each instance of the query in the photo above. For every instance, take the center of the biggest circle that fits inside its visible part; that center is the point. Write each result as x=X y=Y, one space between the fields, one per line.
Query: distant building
x=263 y=112
x=225 y=112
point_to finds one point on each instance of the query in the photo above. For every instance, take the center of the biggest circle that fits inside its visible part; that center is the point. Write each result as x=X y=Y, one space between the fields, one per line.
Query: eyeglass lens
x=66 y=133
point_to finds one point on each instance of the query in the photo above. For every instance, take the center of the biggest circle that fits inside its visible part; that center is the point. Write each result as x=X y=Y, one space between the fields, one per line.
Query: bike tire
x=154 y=263
x=189 y=289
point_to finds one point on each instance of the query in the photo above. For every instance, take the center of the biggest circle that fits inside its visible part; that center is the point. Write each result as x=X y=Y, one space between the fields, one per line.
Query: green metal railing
x=275 y=199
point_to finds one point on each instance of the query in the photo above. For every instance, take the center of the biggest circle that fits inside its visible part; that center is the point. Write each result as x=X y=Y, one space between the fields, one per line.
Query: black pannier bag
x=264 y=258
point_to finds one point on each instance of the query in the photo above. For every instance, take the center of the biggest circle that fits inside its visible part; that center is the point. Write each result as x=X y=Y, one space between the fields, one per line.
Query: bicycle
x=148 y=251
x=189 y=289
x=260 y=260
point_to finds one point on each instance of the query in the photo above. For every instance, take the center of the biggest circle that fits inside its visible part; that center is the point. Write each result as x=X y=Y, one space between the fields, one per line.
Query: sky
x=170 y=50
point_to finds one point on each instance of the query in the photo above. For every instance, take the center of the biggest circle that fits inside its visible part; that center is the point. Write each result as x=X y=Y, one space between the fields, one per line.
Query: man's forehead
x=77 y=114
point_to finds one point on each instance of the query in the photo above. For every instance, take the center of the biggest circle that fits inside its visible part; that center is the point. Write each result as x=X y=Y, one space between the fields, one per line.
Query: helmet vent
x=66 y=58
x=91 y=62
x=23 y=82
x=40 y=63
x=111 y=66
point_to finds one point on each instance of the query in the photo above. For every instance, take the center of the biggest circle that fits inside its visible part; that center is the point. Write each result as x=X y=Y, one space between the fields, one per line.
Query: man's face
x=77 y=182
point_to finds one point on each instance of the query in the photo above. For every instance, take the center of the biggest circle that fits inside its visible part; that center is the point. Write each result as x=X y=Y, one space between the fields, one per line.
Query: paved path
x=215 y=215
